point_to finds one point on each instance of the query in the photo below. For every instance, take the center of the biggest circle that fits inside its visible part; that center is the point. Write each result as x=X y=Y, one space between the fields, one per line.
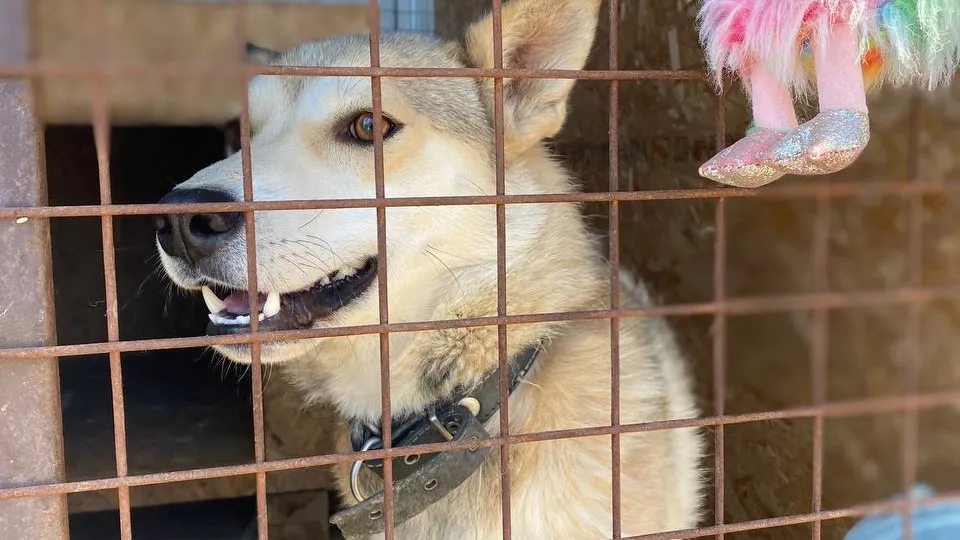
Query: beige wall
x=152 y=31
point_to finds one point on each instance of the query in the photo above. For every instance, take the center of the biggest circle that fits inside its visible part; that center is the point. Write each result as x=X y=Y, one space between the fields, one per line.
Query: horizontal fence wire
x=837 y=409
x=840 y=189
x=818 y=303
x=730 y=306
x=206 y=70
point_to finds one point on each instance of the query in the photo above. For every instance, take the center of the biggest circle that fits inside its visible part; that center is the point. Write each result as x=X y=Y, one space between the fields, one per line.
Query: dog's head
x=312 y=138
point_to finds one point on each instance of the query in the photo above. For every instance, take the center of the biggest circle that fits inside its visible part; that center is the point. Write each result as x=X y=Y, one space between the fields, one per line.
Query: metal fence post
x=31 y=441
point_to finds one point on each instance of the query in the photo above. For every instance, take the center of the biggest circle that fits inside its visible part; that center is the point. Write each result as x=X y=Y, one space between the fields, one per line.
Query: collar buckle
x=355 y=468
x=421 y=480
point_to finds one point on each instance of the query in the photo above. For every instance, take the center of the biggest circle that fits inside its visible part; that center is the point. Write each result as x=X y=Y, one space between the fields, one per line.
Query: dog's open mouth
x=289 y=311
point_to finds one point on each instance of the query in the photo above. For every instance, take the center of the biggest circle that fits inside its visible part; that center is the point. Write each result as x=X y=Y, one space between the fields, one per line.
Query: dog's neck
x=426 y=367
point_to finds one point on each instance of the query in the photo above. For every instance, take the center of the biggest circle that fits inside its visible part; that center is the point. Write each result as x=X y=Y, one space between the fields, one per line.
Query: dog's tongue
x=238 y=303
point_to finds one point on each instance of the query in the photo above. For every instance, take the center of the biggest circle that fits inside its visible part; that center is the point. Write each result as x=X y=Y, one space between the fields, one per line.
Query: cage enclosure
x=820 y=315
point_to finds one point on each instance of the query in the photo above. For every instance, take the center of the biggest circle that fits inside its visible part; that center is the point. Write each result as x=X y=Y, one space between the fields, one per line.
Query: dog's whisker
x=295 y=265
x=447 y=253
x=322 y=266
x=327 y=246
x=480 y=190
x=456 y=280
x=314 y=218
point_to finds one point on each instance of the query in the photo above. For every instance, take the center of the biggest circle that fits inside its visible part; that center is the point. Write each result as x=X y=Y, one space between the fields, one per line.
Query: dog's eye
x=363 y=126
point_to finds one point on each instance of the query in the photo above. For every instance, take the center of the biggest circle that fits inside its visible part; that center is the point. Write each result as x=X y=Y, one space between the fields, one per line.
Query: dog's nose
x=194 y=236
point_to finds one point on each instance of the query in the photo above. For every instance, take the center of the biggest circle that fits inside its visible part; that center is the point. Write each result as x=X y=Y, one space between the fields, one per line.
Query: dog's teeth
x=343 y=274
x=224 y=321
x=272 y=306
x=214 y=304
x=260 y=317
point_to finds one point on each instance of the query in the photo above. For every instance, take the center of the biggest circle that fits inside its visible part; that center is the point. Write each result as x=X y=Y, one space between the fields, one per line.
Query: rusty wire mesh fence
x=24 y=212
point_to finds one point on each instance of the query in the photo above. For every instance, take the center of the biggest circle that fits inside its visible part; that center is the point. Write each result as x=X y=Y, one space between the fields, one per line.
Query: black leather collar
x=421 y=480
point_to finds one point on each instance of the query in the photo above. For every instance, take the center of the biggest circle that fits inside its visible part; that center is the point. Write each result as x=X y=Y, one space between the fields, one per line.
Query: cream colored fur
x=442 y=265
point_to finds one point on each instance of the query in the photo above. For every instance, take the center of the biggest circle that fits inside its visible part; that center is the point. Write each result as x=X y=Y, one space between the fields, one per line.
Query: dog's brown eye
x=363 y=126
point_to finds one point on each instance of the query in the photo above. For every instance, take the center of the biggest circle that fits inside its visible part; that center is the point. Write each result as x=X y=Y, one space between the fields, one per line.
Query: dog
x=312 y=138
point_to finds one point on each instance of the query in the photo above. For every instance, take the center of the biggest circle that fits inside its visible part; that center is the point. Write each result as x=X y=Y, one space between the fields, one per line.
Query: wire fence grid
x=820 y=302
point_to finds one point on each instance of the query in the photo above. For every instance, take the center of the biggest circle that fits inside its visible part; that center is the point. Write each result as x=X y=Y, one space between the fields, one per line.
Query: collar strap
x=423 y=479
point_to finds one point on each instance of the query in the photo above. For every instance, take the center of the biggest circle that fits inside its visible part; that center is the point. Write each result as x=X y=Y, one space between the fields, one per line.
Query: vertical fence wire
x=911 y=367
x=720 y=326
x=498 y=129
x=909 y=404
x=613 y=126
x=99 y=85
x=253 y=289
x=819 y=350
x=373 y=16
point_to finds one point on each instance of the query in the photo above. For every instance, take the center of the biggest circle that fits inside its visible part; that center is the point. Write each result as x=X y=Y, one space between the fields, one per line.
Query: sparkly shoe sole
x=746 y=163
x=828 y=143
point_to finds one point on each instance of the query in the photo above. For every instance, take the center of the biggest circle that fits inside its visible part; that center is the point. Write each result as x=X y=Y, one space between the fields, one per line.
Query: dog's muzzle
x=420 y=480
x=192 y=237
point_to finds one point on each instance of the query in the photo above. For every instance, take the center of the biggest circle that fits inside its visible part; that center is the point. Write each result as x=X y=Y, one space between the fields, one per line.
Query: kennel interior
x=831 y=367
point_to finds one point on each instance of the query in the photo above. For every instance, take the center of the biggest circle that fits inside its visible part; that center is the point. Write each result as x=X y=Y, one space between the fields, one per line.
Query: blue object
x=940 y=521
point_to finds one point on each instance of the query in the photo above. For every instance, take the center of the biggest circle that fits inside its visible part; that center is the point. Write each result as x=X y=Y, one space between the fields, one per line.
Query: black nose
x=194 y=236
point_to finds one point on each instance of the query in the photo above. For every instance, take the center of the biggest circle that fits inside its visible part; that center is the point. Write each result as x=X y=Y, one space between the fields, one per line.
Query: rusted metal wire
x=818 y=303
x=819 y=350
x=730 y=306
x=101 y=134
x=500 y=171
x=613 y=233
x=373 y=15
x=194 y=70
x=256 y=367
x=911 y=368
x=838 y=189
x=720 y=331
x=838 y=409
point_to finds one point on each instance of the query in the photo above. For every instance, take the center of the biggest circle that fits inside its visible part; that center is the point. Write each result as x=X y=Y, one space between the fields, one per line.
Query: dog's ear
x=537 y=34
x=260 y=55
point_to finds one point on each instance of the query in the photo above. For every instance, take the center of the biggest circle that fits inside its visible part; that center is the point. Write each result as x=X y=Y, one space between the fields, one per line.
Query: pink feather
x=738 y=34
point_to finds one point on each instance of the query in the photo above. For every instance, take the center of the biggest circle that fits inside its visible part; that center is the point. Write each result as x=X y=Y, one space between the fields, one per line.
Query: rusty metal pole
x=31 y=440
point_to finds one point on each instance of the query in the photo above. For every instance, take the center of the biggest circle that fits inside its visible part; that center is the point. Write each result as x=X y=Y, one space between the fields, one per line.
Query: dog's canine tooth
x=214 y=304
x=272 y=306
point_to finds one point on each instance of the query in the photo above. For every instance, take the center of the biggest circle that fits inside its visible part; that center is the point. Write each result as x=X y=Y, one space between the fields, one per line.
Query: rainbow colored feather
x=902 y=41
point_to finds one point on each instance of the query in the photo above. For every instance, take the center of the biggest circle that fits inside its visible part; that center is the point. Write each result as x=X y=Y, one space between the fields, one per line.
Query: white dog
x=312 y=139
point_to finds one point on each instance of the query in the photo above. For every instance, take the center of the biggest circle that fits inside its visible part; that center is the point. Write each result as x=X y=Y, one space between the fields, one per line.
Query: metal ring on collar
x=355 y=469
